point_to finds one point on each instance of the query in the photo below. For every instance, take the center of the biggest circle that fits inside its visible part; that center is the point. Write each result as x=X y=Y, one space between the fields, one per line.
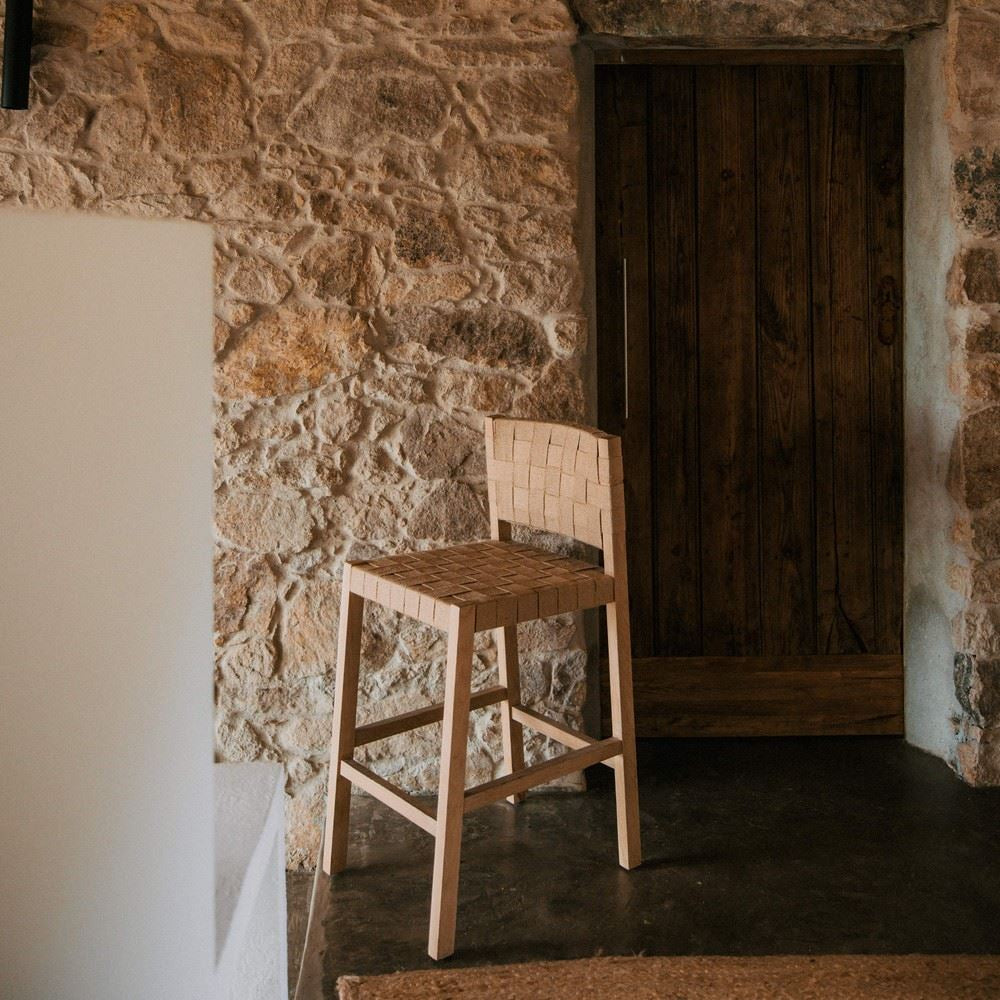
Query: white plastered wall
x=931 y=408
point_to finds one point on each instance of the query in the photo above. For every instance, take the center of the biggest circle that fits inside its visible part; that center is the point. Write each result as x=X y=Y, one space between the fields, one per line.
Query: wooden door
x=749 y=283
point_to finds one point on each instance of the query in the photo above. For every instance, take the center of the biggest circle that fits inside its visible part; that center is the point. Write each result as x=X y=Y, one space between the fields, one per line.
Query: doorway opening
x=749 y=245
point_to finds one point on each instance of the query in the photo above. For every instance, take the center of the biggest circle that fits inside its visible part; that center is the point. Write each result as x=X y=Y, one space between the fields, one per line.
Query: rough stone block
x=264 y=522
x=977 y=183
x=984 y=337
x=290 y=351
x=977 y=52
x=978 y=756
x=981 y=457
x=981 y=270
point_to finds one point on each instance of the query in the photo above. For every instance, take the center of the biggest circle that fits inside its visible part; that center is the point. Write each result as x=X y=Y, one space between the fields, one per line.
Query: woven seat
x=505 y=582
x=557 y=477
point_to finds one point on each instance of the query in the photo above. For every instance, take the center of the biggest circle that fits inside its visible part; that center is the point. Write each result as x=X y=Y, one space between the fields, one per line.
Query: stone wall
x=973 y=73
x=393 y=190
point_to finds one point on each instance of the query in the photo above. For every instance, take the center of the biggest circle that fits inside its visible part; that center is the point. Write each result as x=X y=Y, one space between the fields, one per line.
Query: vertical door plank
x=608 y=278
x=727 y=362
x=885 y=230
x=845 y=387
x=636 y=443
x=785 y=373
x=819 y=83
x=673 y=186
x=624 y=306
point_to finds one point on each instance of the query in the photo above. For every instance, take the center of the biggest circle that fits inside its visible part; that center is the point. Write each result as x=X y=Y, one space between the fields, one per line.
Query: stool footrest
x=554 y=730
x=384 y=728
x=538 y=774
x=405 y=804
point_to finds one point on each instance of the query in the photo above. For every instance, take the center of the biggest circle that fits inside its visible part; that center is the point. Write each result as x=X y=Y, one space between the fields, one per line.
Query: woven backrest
x=557 y=477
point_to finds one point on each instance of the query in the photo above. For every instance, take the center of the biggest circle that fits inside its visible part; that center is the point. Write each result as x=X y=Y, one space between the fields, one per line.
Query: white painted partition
x=250 y=908
x=106 y=803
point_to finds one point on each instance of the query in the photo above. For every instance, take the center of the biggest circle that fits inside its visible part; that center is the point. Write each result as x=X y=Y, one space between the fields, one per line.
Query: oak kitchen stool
x=558 y=477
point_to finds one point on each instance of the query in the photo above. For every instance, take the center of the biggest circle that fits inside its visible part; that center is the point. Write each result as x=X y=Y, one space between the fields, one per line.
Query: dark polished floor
x=751 y=847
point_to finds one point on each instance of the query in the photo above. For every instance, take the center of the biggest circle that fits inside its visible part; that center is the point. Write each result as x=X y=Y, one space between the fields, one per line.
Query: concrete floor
x=751 y=846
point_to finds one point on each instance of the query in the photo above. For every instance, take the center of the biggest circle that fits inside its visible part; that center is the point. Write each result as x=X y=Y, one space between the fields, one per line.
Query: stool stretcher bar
x=411 y=808
x=538 y=774
x=554 y=730
x=422 y=717
x=405 y=804
x=584 y=751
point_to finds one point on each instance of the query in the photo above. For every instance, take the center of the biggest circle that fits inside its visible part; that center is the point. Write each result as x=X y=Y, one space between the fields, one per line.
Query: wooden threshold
x=609 y=55
x=766 y=696
x=384 y=728
x=538 y=774
x=408 y=806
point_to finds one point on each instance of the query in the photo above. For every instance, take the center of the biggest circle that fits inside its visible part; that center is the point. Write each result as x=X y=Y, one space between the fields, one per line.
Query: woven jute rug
x=827 y=977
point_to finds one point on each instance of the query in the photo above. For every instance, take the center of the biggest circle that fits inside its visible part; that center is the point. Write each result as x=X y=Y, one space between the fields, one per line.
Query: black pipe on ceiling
x=16 y=54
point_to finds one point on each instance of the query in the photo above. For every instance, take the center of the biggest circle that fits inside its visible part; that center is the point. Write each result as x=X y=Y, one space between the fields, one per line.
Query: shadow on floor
x=752 y=847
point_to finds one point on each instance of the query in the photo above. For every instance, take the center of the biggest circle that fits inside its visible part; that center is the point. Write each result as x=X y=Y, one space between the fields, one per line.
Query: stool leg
x=345 y=714
x=510 y=677
x=623 y=727
x=451 y=789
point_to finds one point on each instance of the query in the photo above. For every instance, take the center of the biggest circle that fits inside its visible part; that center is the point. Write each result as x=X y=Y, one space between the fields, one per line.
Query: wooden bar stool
x=558 y=477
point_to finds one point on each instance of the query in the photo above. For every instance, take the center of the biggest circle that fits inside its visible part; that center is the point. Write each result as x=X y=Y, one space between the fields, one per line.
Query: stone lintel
x=763 y=23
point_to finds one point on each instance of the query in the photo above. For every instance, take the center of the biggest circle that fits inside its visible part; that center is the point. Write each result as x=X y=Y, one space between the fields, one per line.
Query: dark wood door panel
x=749 y=294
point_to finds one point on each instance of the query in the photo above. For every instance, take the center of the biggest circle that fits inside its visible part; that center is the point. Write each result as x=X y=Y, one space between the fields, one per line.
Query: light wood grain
x=406 y=805
x=345 y=710
x=554 y=730
x=451 y=790
x=539 y=774
x=623 y=716
x=510 y=677
x=384 y=728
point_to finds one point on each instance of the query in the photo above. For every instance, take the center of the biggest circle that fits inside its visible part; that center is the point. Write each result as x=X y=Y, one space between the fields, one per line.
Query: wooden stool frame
x=558 y=477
